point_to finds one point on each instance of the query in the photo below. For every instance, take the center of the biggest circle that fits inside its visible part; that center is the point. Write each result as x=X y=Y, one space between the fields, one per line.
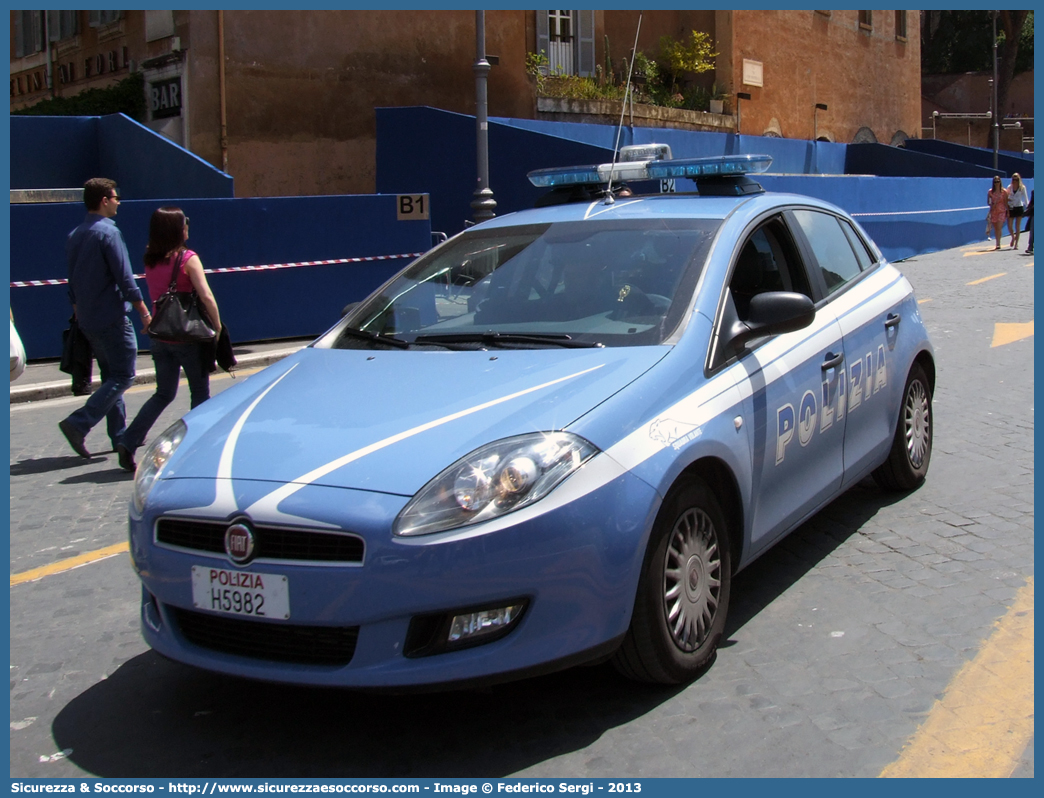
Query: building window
x=28 y=32
x=900 y=25
x=866 y=20
x=158 y=25
x=567 y=39
x=62 y=25
x=99 y=18
x=560 y=42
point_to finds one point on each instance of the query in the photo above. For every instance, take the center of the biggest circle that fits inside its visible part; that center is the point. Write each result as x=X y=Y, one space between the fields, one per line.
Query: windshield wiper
x=499 y=339
x=377 y=338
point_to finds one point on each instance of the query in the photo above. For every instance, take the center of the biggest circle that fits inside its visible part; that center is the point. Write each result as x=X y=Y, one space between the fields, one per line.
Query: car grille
x=270 y=543
x=276 y=642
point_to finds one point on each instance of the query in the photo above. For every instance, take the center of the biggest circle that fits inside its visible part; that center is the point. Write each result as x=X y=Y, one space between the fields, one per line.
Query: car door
x=858 y=295
x=796 y=438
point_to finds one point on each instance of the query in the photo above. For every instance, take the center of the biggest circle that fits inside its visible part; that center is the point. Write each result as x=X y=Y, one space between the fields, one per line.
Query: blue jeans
x=169 y=358
x=116 y=350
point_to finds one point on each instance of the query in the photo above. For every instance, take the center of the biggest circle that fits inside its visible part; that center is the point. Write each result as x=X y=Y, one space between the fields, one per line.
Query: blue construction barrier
x=433 y=151
x=882 y=160
x=1007 y=162
x=905 y=216
x=256 y=304
x=66 y=151
x=910 y=202
x=793 y=156
x=908 y=207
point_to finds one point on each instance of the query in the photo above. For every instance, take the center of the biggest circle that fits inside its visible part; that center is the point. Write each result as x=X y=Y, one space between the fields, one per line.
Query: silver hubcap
x=691 y=579
x=916 y=421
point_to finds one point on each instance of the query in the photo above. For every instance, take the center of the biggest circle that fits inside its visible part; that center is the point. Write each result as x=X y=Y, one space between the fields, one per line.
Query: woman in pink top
x=166 y=250
x=997 y=199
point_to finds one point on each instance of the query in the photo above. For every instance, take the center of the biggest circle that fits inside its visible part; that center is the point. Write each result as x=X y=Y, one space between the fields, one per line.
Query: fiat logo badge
x=239 y=543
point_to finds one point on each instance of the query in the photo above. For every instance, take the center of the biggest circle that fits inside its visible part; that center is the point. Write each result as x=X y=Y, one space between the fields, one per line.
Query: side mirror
x=772 y=313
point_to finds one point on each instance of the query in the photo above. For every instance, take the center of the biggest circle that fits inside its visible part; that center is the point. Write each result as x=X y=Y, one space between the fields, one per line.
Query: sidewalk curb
x=60 y=388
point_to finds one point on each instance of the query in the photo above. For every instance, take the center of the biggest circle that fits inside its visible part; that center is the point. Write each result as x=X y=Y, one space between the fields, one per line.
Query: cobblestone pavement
x=840 y=639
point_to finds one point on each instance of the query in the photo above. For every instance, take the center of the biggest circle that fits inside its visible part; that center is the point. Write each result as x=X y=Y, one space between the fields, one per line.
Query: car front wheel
x=683 y=593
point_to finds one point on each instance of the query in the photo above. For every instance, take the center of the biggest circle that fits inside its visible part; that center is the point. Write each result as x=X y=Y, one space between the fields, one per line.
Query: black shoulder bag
x=178 y=315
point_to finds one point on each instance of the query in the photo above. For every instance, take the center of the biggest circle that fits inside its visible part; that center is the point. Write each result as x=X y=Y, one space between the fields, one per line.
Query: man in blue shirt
x=102 y=290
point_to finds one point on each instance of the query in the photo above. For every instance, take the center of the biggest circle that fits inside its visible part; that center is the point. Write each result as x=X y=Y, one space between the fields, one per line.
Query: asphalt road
x=845 y=645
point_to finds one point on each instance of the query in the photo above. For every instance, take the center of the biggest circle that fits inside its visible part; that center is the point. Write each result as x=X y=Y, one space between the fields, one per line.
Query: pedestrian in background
x=1029 y=224
x=166 y=254
x=997 y=199
x=1018 y=199
x=102 y=291
x=17 y=351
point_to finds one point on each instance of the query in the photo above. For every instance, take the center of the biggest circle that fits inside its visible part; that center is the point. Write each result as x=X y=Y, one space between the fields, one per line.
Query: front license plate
x=240 y=592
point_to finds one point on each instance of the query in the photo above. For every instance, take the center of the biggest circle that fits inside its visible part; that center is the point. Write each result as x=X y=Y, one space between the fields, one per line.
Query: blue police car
x=551 y=440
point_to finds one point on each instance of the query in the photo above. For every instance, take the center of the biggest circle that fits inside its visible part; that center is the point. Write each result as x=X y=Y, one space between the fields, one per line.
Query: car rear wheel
x=683 y=592
x=907 y=462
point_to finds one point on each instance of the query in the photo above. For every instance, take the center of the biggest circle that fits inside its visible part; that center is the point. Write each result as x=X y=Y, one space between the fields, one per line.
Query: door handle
x=892 y=320
x=833 y=361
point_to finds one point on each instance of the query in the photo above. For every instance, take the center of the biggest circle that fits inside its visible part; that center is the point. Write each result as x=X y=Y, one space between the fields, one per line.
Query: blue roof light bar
x=694 y=168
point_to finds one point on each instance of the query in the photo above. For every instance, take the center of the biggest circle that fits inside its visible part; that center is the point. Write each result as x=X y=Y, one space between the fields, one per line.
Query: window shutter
x=54 y=25
x=70 y=23
x=19 y=42
x=28 y=32
x=543 y=37
x=585 y=39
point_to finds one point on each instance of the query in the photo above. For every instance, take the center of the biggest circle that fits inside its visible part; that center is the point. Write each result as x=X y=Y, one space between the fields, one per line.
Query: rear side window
x=865 y=258
x=837 y=260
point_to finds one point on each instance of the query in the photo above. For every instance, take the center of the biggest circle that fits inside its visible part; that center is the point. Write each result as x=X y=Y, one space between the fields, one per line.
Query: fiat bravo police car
x=553 y=439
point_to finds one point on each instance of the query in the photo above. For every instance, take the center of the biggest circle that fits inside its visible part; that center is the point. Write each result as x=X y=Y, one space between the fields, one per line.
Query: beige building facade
x=284 y=100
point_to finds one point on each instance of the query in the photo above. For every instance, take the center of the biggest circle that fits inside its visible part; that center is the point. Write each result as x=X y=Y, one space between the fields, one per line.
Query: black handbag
x=178 y=315
x=77 y=358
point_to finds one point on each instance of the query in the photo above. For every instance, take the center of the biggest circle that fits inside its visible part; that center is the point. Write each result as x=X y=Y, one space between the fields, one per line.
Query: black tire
x=683 y=592
x=907 y=462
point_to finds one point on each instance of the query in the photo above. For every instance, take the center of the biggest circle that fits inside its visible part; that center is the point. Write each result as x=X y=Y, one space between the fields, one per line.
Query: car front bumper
x=575 y=565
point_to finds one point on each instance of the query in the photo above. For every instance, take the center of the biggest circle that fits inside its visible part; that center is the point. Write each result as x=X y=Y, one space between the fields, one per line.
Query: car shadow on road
x=768 y=577
x=157 y=718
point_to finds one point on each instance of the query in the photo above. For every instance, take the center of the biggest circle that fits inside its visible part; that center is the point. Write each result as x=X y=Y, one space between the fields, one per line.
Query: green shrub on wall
x=661 y=82
x=126 y=97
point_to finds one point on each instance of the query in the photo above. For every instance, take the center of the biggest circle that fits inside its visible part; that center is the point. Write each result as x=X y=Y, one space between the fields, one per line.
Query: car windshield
x=590 y=283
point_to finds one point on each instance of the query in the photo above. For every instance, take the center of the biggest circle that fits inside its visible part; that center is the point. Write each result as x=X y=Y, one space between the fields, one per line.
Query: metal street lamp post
x=483 y=204
x=996 y=110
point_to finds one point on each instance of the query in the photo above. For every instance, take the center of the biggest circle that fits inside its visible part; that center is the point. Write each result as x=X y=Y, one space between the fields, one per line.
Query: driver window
x=765 y=263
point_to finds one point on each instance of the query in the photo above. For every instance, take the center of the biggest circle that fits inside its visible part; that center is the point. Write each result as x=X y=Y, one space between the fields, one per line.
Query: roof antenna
x=619 y=128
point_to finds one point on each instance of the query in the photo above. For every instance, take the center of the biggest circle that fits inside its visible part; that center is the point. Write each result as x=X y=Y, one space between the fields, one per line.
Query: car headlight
x=156 y=456
x=494 y=480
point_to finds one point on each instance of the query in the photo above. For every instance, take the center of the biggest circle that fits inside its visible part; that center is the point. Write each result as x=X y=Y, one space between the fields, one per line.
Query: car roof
x=656 y=206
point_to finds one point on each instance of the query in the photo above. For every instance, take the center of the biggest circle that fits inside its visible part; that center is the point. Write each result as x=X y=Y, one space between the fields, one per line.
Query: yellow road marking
x=983 y=722
x=987 y=279
x=922 y=301
x=1009 y=333
x=975 y=252
x=69 y=564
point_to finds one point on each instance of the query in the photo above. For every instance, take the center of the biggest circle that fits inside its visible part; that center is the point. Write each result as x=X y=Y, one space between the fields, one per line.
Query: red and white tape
x=260 y=268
